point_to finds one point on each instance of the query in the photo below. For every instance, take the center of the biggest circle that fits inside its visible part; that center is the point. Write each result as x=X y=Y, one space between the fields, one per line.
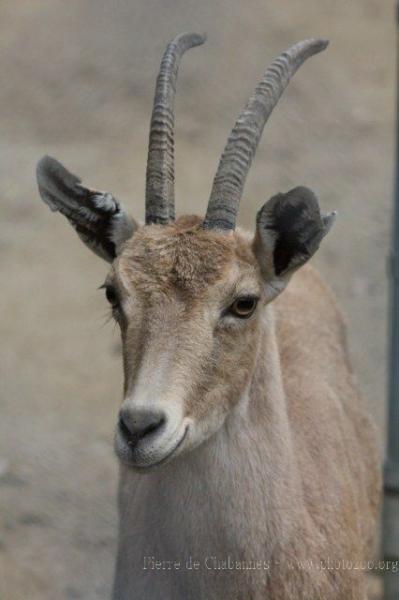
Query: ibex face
x=188 y=302
x=189 y=296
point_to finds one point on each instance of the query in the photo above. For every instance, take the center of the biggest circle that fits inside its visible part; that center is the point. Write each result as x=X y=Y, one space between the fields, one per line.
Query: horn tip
x=321 y=44
x=310 y=46
x=189 y=40
x=198 y=38
x=204 y=37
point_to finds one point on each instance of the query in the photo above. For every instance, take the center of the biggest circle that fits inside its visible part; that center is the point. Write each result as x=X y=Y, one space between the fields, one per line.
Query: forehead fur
x=181 y=255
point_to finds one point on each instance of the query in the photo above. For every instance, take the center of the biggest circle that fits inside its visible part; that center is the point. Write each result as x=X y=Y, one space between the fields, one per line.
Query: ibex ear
x=289 y=230
x=99 y=219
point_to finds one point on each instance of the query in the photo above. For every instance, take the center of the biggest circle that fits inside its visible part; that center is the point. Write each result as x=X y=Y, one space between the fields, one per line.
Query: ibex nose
x=136 y=424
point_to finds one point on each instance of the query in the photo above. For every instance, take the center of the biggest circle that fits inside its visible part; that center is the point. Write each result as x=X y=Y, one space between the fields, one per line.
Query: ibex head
x=189 y=295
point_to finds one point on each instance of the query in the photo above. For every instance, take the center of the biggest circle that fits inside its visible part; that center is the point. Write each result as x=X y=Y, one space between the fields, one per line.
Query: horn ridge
x=159 y=197
x=241 y=145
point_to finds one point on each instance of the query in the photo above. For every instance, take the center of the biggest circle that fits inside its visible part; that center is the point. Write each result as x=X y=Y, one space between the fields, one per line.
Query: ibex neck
x=250 y=460
x=247 y=467
x=227 y=498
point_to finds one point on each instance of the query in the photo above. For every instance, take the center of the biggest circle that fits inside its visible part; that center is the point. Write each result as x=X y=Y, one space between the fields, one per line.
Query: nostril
x=135 y=425
x=153 y=426
x=125 y=430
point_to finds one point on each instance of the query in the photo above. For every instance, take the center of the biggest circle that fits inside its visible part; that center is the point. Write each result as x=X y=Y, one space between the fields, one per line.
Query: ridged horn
x=159 y=197
x=241 y=146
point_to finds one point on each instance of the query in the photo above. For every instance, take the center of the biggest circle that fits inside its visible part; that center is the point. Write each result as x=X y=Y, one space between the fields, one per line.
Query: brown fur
x=280 y=452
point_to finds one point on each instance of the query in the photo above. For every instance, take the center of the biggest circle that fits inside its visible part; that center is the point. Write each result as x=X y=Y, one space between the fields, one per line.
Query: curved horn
x=241 y=146
x=159 y=198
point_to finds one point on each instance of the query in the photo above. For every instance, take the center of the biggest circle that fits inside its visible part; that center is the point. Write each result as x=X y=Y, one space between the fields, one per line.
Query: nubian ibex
x=248 y=465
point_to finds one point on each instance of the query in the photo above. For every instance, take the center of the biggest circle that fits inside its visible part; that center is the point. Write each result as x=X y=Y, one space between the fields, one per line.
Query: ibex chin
x=248 y=466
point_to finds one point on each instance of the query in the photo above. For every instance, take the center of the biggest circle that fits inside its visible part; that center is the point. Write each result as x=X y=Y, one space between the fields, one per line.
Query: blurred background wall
x=76 y=81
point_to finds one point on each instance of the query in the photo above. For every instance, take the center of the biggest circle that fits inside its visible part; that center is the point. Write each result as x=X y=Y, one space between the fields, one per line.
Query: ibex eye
x=111 y=296
x=243 y=307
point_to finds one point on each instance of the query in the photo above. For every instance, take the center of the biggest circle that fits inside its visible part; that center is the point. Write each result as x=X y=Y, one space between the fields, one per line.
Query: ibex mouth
x=146 y=454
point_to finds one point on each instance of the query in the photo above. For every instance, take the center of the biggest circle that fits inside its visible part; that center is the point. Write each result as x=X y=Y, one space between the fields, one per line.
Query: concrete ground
x=77 y=79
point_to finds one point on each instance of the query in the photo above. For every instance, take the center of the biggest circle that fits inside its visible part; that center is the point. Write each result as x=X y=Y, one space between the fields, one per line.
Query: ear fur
x=99 y=219
x=289 y=230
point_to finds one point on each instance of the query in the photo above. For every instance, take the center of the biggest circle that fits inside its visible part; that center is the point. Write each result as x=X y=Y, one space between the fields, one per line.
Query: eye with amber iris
x=243 y=307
